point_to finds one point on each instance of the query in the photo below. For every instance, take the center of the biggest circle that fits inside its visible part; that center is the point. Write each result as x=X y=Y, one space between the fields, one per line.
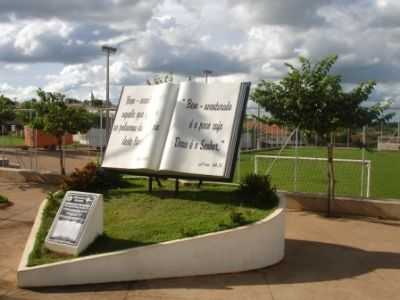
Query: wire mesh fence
x=309 y=174
x=378 y=144
x=370 y=163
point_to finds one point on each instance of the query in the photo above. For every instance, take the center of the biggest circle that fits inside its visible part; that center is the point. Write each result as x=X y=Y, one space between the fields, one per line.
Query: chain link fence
x=372 y=169
x=366 y=160
x=22 y=147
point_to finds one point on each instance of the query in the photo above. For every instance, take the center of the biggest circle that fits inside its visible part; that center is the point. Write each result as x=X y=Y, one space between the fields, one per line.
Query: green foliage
x=188 y=232
x=49 y=213
x=91 y=178
x=133 y=217
x=7 y=110
x=258 y=188
x=26 y=114
x=55 y=117
x=238 y=218
x=311 y=98
x=3 y=199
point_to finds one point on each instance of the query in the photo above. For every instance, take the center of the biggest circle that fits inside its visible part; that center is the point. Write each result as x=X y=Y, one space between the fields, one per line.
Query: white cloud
x=80 y=79
x=133 y=13
x=52 y=40
x=18 y=92
x=16 y=67
x=238 y=40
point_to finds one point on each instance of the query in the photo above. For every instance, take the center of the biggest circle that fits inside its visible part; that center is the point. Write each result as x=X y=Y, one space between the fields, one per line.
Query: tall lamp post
x=206 y=73
x=108 y=50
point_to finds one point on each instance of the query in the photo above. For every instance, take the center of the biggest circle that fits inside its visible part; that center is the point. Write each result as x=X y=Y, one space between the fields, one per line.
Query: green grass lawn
x=133 y=217
x=11 y=141
x=385 y=171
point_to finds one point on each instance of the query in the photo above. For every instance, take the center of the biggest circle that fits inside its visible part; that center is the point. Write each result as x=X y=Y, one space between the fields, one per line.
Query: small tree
x=312 y=99
x=55 y=117
x=7 y=110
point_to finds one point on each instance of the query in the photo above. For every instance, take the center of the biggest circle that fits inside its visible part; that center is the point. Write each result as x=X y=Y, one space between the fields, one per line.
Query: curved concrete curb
x=244 y=248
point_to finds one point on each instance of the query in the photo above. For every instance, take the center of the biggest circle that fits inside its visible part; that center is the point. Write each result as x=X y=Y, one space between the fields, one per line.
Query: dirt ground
x=337 y=258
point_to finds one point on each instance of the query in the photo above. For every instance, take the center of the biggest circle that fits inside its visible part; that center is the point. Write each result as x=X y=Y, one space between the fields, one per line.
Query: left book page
x=140 y=127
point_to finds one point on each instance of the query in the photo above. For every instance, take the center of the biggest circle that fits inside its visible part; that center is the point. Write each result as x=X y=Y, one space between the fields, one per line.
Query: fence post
x=101 y=136
x=258 y=128
x=363 y=160
x=368 y=178
x=238 y=164
x=297 y=158
x=255 y=165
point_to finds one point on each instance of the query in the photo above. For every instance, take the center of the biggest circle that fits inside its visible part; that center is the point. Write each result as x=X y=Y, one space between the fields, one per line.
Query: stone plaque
x=78 y=222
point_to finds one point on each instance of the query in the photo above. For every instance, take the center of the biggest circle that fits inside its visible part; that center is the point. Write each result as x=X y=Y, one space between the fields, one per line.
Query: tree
x=7 y=110
x=311 y=98
x=55 y=117
x=26 y=111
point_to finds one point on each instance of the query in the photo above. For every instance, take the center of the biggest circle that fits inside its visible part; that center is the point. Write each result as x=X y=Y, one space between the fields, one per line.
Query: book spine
x=234 y=146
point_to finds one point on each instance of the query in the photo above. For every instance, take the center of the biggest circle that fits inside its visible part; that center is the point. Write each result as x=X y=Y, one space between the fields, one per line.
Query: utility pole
x=108 y=50
x=206 y=73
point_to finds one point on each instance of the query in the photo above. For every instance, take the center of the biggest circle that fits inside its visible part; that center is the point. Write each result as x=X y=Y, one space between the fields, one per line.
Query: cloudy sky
x=56 y=44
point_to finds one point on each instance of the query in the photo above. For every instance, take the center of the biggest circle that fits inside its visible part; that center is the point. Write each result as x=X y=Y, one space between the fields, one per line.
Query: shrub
x=238 y=218
x=258 y=188
x=91 y=178
x=188 y=232
x=3 y=199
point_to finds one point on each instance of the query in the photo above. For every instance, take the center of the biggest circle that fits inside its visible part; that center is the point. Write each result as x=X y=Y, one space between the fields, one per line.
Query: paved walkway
x=325 y=259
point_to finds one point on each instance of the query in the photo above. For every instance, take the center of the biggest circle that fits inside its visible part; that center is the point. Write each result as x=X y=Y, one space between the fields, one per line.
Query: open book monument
x=187 y=130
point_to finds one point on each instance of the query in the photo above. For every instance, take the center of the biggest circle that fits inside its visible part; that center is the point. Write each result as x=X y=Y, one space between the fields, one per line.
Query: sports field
x=312 y=175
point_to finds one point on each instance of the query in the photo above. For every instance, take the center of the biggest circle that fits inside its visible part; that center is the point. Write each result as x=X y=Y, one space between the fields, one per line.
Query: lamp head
x=108 y=49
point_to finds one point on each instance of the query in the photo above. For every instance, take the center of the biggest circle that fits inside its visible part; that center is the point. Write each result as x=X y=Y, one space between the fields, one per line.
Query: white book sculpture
x=190 y=130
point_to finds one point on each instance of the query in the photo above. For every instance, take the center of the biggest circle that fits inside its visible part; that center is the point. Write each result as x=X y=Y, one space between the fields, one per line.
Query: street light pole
x=206 y=73
x=108 y=50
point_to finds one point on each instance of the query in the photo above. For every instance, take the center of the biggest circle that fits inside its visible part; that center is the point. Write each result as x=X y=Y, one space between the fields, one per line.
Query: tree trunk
x=331 y=179
x=60 y=149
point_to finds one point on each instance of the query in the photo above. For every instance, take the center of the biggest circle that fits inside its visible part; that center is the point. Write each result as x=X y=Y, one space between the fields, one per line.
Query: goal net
x=309 y=174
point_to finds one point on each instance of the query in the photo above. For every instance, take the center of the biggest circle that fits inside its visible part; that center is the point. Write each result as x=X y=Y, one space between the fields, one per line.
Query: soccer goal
x=309 y=174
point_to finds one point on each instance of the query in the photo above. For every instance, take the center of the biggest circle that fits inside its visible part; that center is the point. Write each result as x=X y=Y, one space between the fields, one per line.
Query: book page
x=201 y=129
x=140 y=127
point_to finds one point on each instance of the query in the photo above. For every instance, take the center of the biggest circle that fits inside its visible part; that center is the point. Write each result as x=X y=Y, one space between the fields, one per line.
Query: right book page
x=204 y=131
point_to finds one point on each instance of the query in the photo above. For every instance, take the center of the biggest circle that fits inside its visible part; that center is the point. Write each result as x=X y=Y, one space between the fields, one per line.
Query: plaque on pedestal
x=78 y=222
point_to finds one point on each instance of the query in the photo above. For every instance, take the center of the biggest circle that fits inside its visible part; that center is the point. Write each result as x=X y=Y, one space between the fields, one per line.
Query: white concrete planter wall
x=244 y=248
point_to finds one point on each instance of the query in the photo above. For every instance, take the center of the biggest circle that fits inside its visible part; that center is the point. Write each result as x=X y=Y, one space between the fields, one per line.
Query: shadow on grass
x=216 y=197
x=207 y=193
x=304 y=262
x=105 y=243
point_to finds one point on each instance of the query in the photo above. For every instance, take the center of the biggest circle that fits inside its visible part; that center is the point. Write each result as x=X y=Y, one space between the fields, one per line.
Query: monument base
x=249 y=247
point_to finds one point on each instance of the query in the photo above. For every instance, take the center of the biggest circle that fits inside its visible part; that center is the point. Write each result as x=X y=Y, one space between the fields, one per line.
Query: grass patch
x=3 y=199
x=11 y=141
x=312 y=175
x=133 y=217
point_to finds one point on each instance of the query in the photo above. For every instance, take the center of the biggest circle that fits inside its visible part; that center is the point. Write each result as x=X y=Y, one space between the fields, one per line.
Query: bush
x=3 y=199
x=258 y=188
x=188 y=232
x=91 y=178
x=238 y=218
